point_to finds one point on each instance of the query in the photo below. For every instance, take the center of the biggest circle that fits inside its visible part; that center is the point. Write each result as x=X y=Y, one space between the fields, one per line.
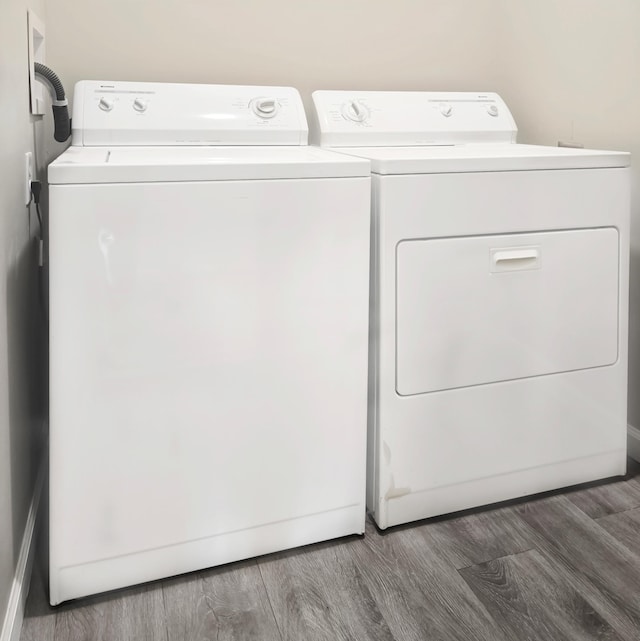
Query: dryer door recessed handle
x=515 y=258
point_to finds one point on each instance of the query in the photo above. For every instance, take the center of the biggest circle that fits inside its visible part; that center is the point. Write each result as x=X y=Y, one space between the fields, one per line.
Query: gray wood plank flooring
x=477 y=538
x=603 y=500
x=598 y=562
x=419 y=594
x=319 y=593
x=531 y=600
x=39 y=617
x=565 y=565
x=134 y=613
x=225 y=604
x=625 y=527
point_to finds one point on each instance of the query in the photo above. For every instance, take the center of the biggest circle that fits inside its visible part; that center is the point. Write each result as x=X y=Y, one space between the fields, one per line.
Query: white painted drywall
x=572 y=73
x=568 y=68
x=375 y=44
x=356 y=44
x=22 y=403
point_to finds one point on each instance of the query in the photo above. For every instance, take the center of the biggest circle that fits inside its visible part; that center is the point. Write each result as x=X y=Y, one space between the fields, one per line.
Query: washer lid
x=176 y=164
x=484 y=157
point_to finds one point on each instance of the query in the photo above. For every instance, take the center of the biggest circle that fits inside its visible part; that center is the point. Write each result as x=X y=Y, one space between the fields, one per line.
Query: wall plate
x=35 y=28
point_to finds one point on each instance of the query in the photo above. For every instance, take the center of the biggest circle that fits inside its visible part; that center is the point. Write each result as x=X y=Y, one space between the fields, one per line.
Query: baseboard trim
x=633 y=442
x=14 y=616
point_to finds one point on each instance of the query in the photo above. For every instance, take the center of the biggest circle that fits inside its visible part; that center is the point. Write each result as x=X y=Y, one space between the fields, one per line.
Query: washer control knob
x=106 y=104
x=139 y=104
x=446 y=109
x=355 y=111
x=492 y=110
x=265 y=107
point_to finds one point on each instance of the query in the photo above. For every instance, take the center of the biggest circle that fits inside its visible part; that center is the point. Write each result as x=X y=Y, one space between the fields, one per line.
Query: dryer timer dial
x=446 y=109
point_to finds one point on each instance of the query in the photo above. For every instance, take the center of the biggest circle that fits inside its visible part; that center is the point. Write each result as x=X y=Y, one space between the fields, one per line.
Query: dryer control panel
x=401 y=118
x=148 y=113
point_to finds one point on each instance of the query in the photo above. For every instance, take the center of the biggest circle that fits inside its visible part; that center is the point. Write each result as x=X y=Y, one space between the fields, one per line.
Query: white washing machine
x=498 y=303
x=209 y=278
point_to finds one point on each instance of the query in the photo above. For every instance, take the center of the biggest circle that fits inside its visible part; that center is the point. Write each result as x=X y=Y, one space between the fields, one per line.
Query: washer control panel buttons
x=139 y=104
x=106 y=104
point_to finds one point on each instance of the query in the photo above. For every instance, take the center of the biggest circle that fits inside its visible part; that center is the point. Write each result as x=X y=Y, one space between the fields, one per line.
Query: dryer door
x=484 y=309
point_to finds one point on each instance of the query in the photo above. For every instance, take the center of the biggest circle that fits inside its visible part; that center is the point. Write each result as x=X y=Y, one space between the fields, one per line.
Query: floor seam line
x=266 y=591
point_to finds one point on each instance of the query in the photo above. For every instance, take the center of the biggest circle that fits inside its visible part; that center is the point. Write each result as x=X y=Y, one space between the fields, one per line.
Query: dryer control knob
x=140 y=105
x=106 y=104
x=355 y=111
x=265 y=107
x=446 y=109
x=492 y=110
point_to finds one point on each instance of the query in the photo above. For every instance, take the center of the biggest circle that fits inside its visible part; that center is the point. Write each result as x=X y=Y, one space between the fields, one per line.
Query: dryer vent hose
x=61 y=120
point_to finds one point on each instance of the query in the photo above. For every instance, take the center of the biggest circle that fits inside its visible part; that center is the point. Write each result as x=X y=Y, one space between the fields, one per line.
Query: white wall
x=569 y=69
x=21 y=327
x=359 y=44
x=376 y=44
x=572 y=73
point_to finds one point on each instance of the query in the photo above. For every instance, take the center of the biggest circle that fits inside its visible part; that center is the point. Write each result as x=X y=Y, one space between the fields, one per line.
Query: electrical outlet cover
x=28 y=176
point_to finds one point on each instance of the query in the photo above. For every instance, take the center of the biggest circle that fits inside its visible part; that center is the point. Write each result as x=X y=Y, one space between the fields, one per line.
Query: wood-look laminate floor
x=565 y=565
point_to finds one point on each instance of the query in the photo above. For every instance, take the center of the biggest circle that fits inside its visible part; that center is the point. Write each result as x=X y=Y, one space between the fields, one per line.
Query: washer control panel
x=398 y=118
x=139 y=113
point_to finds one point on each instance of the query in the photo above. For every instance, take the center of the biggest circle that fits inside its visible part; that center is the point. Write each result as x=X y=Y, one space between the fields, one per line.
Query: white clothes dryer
x=499 y=302
x=209 y=279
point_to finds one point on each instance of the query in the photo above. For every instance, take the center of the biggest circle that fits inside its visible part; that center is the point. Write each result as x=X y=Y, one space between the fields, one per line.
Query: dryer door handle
x=515 y=258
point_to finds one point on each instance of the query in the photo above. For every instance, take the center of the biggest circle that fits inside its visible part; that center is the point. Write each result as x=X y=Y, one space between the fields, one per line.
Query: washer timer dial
x=355 y=111
x=264 y=107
